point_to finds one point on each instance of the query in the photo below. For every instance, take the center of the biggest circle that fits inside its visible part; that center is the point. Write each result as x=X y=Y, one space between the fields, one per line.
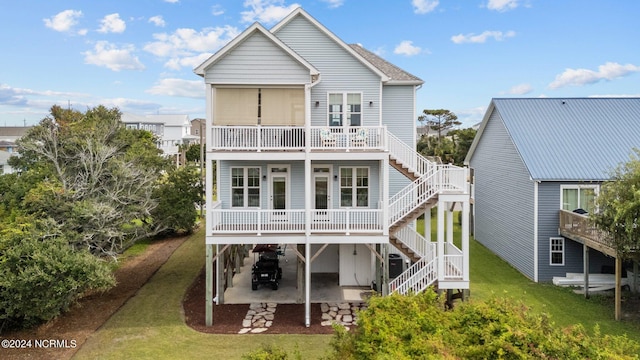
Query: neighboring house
x=198 y=129
x=171 y=130
x=535 y=161
x=314 y=145
x=8 y=137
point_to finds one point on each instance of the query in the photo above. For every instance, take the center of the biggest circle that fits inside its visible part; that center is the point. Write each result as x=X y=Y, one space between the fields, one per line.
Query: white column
x=209 y=286
x=466 y=207
x=385 y=195
x=307 y=282
x=427 y=224
x=449 y=214
x=440 y=237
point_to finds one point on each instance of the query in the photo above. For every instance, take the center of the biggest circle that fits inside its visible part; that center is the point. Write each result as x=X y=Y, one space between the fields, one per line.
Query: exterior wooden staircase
x=406 y=206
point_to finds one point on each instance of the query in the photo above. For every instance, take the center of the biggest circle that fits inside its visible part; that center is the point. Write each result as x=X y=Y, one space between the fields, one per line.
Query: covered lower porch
x=307 y=273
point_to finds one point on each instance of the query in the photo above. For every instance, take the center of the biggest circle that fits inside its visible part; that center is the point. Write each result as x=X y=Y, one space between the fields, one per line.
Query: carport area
x=324 y=286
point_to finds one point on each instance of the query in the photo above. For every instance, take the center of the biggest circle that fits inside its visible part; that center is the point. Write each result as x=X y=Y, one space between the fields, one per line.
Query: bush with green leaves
x=420 y=327
x=177 y=194
x=41 y=274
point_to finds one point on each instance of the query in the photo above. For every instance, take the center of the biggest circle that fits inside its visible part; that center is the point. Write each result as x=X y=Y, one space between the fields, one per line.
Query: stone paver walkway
x=259 y=318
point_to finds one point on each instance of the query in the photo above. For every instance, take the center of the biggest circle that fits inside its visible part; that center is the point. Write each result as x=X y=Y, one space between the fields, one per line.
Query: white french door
x=278 y=192
x=322 y=192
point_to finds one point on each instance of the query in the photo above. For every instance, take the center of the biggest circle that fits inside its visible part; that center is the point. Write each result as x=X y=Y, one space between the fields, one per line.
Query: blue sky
x=139 y=55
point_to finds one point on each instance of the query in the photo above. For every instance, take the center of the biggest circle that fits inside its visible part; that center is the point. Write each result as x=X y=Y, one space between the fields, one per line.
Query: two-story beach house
x=314 y=145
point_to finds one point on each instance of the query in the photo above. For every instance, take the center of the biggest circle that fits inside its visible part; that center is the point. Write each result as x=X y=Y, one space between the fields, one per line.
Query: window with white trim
x=556 y=251
x=574 y=197
x=245 y=187
x=345 y=109
x=354 y=187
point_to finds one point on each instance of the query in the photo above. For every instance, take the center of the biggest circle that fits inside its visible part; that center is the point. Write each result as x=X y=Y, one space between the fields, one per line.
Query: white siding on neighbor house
x=257 y=60
x=504 y=198
x=339 y=71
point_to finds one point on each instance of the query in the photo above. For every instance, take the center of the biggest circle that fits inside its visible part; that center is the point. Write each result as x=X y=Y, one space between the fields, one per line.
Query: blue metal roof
x=572 y=138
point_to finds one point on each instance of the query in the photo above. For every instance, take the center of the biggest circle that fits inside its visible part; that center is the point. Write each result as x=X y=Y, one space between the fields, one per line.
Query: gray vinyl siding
x=548 y=224
x=257 y=60
x=339 y=71
x=398 y=114
x=296 y=181
x=504 y=198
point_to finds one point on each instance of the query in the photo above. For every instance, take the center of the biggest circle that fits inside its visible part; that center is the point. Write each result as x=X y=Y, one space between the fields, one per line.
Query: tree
x=98 y=177
x=193 y=153
x=177 y=195
x=619 y=207
x=439 y=120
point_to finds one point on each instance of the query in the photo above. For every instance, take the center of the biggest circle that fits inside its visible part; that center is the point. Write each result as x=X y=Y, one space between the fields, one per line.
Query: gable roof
x=300 y=12
x=394 y=73
x=256 y=27
x=165 y=119
x=568 y=138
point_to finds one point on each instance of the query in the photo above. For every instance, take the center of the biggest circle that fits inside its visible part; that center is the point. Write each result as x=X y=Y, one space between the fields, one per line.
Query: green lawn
x=150 y=325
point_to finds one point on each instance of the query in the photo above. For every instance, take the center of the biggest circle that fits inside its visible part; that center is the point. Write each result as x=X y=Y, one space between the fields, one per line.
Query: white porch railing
x=412 y=196
x=409 y=157
x=417 y=277
x=415 y=242
x=265 y=221
x=274 y=138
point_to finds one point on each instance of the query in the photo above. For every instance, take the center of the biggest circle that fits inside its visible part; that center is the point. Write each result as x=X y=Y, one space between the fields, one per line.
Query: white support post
x=385 y=196
x=219 y=269
x=449 y=214
x=440 y=244
x=307 y=283
x=466 y=208
x=427 y=223
x=209 y=286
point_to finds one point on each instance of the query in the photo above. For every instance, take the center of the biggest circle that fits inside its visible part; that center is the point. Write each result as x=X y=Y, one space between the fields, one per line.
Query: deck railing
x=417 y=277
x=265 y=221
x=277 y=138
x=415 y=241
x=579 y=227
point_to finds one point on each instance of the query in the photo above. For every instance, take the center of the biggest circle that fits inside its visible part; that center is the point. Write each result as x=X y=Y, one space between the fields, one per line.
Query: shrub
x=41 y=275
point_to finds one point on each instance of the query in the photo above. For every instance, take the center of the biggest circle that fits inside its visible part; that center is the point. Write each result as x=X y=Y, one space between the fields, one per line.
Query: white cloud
x=172 y=1
x=579 y=77
x=217 y=10
x=334 y=3
x=502 y=5
x=132 y=105
x=185 y=47
x=471 y=116
x=112 y=24
x=424 y=6
x=108 y=55
x=473 y=38
x=407 y=48
x=266 y=11
x=157 y=20
x=520 y=89
x=178 y=87
x=64 y=21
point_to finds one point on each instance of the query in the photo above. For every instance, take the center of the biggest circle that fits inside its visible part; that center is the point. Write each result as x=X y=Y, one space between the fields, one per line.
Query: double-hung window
x=345 y=109
x=245 y=187
x=354 y=187
x=579 y=197
x=556 y=251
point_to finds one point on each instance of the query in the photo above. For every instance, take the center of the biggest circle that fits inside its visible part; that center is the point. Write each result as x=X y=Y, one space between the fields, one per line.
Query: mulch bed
x=227 y=318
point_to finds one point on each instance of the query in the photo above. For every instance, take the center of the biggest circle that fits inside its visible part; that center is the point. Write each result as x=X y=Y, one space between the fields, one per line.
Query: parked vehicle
x=266 y=270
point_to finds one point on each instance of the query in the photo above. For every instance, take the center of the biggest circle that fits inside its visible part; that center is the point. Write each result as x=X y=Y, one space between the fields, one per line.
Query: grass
x=492 y=276
x=150 y=325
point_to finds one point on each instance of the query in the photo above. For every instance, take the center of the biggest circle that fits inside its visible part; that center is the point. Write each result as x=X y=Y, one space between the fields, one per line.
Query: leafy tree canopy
x=619 y=207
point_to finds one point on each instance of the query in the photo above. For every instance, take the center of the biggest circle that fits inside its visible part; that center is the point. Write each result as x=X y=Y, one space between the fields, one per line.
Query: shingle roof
x=394 y=73
x=572 y=138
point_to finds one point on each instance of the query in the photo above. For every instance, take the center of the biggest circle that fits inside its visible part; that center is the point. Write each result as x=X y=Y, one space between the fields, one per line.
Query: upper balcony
x=296 y=138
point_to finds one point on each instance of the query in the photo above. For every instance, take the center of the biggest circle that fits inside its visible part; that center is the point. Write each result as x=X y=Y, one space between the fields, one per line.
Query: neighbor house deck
x=577 y=227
